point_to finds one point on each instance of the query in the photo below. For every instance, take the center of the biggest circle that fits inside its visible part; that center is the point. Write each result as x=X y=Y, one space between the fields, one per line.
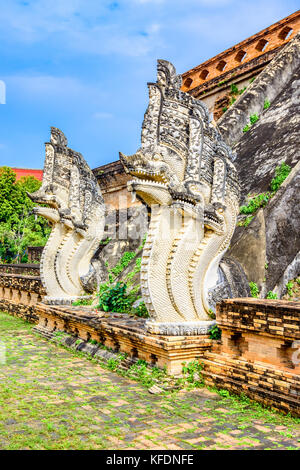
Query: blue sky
x=83 y=65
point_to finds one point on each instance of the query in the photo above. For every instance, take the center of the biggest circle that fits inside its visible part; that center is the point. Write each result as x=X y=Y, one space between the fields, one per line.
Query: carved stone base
x=122 y=333
x=179 y=329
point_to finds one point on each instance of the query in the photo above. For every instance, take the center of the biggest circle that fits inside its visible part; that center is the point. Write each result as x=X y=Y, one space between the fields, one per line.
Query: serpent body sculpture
x=184 y=172
x=77 y=214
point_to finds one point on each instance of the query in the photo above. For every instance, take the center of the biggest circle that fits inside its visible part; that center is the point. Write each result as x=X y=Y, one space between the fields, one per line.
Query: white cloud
x=102 y=115
x=247 y=19
x=85 y=26
x=43 y=87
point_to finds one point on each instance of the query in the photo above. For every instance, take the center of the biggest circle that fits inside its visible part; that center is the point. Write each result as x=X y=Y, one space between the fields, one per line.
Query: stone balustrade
x=19 y=293
x=22 y=268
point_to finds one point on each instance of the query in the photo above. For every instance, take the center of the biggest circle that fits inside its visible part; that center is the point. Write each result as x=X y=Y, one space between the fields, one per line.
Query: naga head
x=68 y=189
x=152 y=177
x=54 y=190
x=182 y=159
x=73 y=203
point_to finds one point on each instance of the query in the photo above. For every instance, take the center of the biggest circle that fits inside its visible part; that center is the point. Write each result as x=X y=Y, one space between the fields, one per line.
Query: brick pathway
x=52 y=399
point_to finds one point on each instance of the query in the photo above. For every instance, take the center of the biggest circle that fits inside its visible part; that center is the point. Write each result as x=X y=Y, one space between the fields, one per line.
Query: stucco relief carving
x=184 y=172
x=76 y=212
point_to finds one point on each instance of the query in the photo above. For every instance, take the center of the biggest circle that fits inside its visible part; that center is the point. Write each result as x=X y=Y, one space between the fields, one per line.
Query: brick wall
x=113 y=183
x=259 y=353
x=211 y=80
x=34 y=253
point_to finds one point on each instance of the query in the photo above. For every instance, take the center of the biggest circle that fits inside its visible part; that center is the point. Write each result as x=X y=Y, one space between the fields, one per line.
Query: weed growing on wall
x=293 y=288
x=255 y=203
x=254 y=291
x=245 y=222
x=215 y=333
x=281 y=174
x=261 y=200
x=235 y=93
x=253 y=119
x=272 y=295
x=84 y=302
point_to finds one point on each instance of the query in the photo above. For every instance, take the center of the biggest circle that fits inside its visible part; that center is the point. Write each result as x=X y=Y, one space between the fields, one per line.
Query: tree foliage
x=19 y=227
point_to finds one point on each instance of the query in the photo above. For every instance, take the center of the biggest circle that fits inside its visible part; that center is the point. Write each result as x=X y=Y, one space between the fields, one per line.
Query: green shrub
x=88 y=301
x=215 y=332
x=120 y=296
x=253 y=119
x=234 y=89
x=289 y=286
x=245 y=222
x=211 y=314
x=254 y=291
x=123 y=263
x=129 y=277
x=141 y=310
x=114 y=298
x=267 y=104
x=255 y=203
x=272 y=295
x=105 y=242
x=281 y=173
x=261 y=200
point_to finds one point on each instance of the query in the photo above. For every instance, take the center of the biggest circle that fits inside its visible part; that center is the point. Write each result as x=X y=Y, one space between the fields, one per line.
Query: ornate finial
x=166 y=74
x=58 y=137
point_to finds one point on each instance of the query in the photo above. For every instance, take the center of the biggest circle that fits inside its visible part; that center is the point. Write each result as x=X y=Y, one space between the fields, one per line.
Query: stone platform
x=122 y=333
x=259 y=354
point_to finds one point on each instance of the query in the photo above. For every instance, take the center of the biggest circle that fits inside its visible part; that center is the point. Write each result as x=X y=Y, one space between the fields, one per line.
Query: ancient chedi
x=76 y=212
x=184 y=172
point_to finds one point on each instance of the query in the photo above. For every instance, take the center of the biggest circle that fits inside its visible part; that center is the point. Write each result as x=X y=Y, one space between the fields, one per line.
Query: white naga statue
x=77 y=214
x=184 y=172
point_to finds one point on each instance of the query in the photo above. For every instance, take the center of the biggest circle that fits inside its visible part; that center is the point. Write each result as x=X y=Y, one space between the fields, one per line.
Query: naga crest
x=76 y=212
x=184 y=172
